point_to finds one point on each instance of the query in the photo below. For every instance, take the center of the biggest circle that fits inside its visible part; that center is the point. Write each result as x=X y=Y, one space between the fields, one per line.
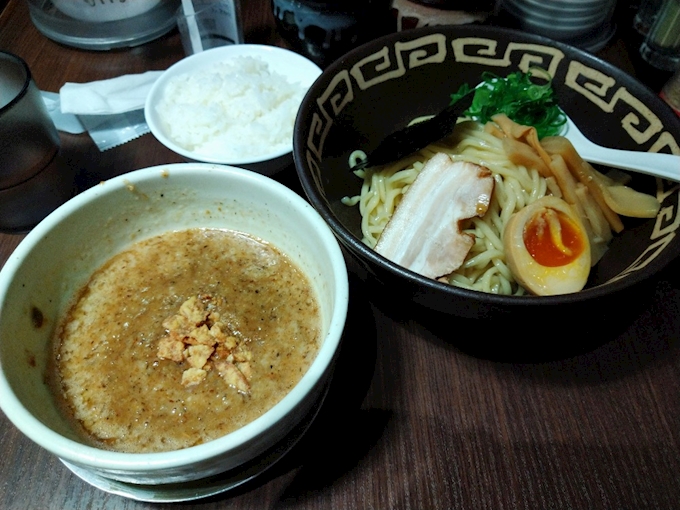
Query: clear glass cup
x=33 y=179
x=211 y=24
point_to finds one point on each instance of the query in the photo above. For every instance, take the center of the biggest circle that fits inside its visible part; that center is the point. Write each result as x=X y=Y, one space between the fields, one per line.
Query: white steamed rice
x=236 y=109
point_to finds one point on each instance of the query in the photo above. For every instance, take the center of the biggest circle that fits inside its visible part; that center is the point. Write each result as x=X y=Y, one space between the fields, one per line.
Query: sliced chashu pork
x=424 y=233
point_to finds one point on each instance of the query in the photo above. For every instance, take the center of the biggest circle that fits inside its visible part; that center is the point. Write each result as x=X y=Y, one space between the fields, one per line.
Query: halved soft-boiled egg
x=547 y=248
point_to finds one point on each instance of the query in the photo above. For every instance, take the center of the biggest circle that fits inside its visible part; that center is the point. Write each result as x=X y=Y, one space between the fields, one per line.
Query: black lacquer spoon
x=417 y=136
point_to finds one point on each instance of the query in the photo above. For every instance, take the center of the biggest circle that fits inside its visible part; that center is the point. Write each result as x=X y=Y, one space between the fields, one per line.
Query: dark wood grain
x=411 y=421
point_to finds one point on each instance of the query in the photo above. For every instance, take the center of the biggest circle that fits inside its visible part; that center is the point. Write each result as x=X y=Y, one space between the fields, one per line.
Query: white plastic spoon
x=656 y=164
x=414 y=137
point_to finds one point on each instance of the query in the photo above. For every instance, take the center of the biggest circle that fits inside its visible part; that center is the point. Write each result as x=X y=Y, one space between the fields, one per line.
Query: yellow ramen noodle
x=485 y=268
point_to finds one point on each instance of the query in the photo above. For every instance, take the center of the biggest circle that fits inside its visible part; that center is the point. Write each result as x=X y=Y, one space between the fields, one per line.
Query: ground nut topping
x=183 y=338
x=196 y=336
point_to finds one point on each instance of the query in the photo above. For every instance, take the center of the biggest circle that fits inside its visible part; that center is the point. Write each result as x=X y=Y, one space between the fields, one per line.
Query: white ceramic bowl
x=294 y=67
x=57 y=257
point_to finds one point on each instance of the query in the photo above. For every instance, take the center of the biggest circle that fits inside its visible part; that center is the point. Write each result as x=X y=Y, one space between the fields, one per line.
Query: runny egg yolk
x=552 y=238
x=547 y=248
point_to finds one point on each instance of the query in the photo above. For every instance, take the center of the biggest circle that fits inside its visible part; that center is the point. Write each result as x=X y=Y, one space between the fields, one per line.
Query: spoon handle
x=656 y=164
x=415 y=137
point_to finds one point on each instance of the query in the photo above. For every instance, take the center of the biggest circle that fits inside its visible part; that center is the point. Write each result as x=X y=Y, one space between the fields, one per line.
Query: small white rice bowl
x=232 y=105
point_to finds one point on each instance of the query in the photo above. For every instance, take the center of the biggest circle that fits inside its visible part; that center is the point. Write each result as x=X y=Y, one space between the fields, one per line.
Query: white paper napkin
x=65 y=122
x=111 y=111
x=104 y=97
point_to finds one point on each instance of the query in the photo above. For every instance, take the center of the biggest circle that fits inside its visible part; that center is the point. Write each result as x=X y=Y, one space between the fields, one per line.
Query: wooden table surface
x=411 y=421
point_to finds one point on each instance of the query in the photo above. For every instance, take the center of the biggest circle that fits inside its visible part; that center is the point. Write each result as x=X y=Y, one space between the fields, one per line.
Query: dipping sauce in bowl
x=183 y=338
x=214 y=319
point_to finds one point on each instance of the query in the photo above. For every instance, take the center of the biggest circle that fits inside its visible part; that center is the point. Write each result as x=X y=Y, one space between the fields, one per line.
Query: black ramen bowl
x=382 y=85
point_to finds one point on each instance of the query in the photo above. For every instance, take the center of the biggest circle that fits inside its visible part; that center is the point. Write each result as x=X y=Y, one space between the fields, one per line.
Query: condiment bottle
x=671 y=92
x=646 y=15
x=661 y=47
x=323 y=30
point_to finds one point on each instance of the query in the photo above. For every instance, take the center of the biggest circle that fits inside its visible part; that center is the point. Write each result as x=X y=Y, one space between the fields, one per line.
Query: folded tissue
x=105 y=97
x=112 y=111
x=66 y=122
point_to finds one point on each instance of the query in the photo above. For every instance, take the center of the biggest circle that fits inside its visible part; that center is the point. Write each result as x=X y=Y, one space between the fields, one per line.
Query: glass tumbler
x=33 y=179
